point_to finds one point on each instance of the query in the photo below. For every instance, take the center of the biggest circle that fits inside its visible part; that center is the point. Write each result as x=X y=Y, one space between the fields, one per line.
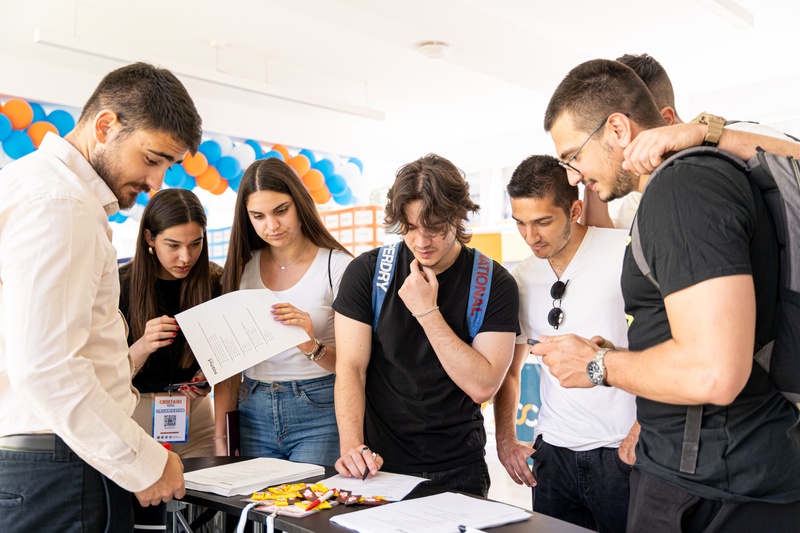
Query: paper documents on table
x=442 y=513
x=236 y=331
x=247 y=477
x=393 y=487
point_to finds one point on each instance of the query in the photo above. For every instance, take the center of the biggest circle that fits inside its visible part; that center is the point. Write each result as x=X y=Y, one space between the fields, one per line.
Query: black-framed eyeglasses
x=568 y=163
x=556 y=315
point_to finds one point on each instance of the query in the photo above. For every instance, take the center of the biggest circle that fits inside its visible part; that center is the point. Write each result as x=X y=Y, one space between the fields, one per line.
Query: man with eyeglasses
x=711 y=245
x=584 y=445
x=411 y=377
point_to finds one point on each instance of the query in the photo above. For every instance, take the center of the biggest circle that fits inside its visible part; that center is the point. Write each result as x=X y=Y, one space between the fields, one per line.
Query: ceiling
x=481 y=105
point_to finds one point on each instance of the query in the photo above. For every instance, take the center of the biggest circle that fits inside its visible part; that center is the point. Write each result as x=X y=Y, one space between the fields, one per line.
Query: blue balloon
x=346 y=198
x=273 y=153
x=212 y=150
x=309 y=154
x=5 y=127
x=38 y=112
x=228 y=167
x=336 y=184
x=62 y=120
x=18 y=144
x=117 y=217
x=142 y=198
x=175 y=176
x=256 y=147
x=357 y=162
x=234 y=183
x=325 y=166
x=189 y=183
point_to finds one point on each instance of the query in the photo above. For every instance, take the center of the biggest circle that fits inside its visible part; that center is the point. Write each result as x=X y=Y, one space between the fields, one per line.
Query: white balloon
x=244 y=154
x=225 y=143
x=350 y=172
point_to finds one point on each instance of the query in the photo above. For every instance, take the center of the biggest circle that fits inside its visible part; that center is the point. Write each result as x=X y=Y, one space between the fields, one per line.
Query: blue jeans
x=58 y=491
x=472 y=478
x=589 y=489
x=292 y=420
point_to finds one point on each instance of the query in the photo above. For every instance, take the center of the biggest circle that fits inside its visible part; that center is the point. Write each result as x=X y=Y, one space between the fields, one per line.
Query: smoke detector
x=433 y=49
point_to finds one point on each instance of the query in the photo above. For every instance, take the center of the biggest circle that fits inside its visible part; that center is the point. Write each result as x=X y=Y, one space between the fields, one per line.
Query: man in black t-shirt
x=408 y=392
x=711 y=244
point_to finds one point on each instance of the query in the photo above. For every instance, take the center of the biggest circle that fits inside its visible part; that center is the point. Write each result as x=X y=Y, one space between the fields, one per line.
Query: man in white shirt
x=585 y=438
x=69 y=450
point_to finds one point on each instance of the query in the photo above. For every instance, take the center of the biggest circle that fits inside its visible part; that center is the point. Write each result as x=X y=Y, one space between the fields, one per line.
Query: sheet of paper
x=245 y=477
x=236 y=331
x=393 y=487
x=442 y=513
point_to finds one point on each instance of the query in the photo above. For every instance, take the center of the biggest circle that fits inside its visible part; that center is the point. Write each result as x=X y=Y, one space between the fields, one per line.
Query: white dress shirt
x=64 y=365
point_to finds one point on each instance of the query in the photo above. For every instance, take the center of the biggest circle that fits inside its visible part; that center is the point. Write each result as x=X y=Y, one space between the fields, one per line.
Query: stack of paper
x=246 y=477
x=442 y=513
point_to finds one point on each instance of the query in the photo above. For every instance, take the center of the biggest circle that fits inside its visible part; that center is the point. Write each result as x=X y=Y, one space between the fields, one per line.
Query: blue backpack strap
x=384 y=270
x=479 y=289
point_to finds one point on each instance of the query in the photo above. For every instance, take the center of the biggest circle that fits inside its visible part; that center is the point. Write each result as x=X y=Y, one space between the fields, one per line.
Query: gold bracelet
x=215 y=438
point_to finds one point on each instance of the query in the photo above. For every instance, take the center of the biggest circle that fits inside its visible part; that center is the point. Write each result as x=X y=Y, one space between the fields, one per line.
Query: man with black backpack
x=711 y=244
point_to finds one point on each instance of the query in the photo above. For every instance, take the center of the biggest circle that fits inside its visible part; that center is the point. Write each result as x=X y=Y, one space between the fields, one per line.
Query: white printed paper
x=393 y=487
x=236 y=331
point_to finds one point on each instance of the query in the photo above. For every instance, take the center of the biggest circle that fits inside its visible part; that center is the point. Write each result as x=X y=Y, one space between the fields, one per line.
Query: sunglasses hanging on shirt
x=556 y=315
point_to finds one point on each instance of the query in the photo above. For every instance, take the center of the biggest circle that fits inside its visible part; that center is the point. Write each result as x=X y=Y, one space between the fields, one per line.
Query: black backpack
x=778 y=179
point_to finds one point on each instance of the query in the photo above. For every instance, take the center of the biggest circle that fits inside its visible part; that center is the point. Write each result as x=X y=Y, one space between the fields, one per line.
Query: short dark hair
x=145 y=97
x=598 y=88
x=539 y=177
x=444 y=193
x=654 y=76
x=270 y=175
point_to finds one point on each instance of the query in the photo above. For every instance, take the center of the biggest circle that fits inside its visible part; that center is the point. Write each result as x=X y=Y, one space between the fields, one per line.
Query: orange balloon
x=209 y=180
x=283 y=151
x=37 y=130
x=153 y=192
x=221 y=188
x=314 y=180
x=194 y=165
x=321 y=195
x=19 y=112
x=300 y=164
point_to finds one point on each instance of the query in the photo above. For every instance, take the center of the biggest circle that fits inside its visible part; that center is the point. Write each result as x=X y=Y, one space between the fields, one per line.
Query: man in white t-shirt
x=585 y=438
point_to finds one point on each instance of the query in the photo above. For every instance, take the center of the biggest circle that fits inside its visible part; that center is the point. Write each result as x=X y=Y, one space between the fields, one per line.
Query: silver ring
x=364 y=449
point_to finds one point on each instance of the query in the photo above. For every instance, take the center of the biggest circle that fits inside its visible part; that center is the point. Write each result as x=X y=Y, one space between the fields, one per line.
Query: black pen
x=366 y=471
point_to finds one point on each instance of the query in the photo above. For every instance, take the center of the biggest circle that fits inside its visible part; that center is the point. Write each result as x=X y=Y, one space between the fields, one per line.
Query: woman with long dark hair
x=278 y=242
x=170 y=272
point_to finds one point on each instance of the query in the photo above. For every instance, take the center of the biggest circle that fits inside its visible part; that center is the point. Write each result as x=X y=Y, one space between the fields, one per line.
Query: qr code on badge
x=170 y=421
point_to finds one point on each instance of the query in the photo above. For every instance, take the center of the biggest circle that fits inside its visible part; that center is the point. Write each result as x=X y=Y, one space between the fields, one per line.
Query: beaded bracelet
x=215 y=438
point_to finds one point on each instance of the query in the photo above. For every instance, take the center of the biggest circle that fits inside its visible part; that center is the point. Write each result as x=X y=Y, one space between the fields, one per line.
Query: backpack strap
x=691 y=438
x=330 y=279
x=479 y=289
x=384 y=270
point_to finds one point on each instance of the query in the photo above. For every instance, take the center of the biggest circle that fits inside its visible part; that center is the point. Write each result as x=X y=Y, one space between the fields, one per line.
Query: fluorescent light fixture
x=75 y=44
x=433 y=49
x=730 y=11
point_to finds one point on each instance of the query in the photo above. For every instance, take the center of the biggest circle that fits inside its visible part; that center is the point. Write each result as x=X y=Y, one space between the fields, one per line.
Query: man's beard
x=107 y=170
x=620 y=185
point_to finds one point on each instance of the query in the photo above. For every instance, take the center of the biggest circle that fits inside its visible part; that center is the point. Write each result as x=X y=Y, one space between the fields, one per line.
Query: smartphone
x=176 y=386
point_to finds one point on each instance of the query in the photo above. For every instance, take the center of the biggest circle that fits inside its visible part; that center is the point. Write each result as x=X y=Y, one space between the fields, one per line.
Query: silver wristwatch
x=596 y=370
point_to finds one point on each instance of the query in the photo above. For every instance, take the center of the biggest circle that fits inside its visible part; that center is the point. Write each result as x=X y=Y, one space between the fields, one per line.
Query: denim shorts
x=293 y=420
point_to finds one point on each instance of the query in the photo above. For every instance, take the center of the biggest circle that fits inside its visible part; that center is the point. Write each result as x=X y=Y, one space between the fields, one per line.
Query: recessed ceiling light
x=433 y=49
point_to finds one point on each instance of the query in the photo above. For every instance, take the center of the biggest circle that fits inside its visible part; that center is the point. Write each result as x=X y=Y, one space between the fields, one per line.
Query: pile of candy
x=305 y=495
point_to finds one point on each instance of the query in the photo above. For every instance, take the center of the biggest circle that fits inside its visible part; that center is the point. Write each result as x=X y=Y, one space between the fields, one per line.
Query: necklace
x=283 y=267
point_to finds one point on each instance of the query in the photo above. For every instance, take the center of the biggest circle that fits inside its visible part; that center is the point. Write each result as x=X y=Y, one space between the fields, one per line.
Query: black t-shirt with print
x=416 y=417
x=701 y=219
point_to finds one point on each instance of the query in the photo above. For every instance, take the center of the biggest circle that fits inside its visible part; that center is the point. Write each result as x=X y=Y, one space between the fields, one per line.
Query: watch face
x=594 y=372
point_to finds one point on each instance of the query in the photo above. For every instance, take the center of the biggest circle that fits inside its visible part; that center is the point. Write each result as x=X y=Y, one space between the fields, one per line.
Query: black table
x=320 y=522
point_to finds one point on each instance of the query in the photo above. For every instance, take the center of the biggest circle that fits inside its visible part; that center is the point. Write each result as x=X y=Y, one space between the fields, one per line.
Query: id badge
x=170 y=417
